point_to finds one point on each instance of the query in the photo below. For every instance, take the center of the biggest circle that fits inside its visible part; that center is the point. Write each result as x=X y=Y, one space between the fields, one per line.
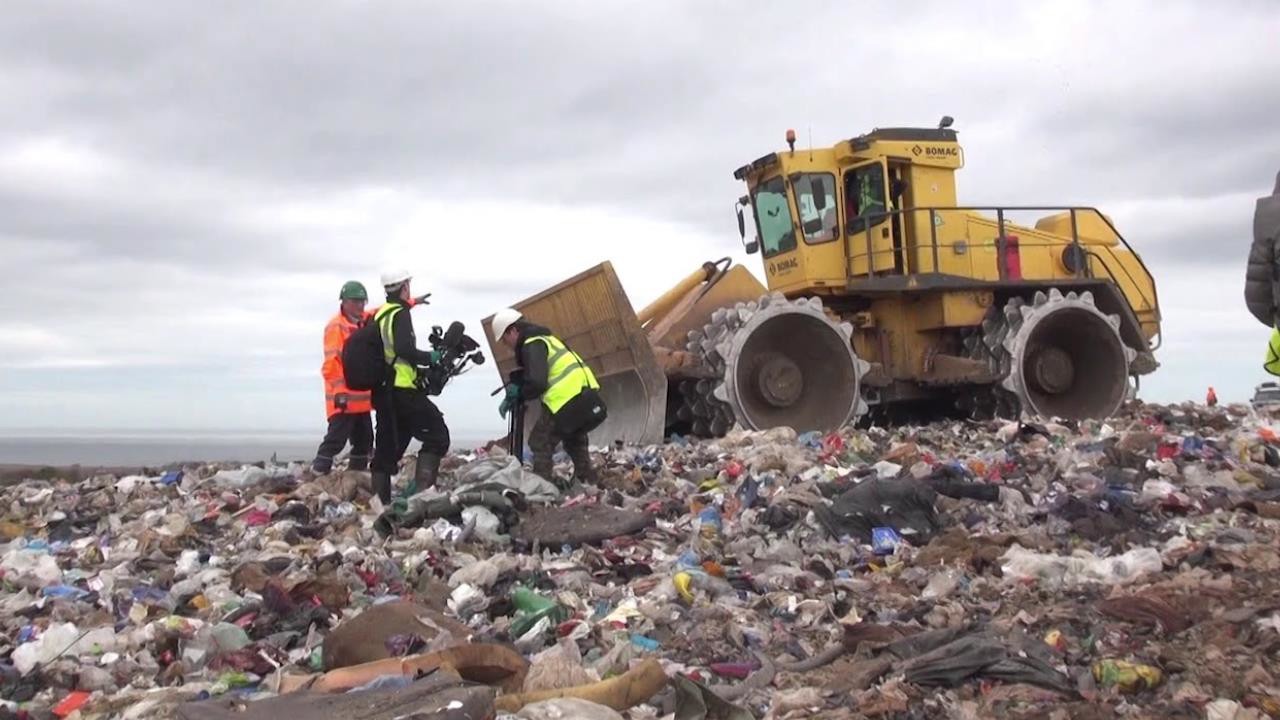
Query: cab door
x=869 y=226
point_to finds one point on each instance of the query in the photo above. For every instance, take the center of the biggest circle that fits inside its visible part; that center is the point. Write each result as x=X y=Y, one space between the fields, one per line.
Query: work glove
x=436 y=356
x=340 y=401
x=510 y=400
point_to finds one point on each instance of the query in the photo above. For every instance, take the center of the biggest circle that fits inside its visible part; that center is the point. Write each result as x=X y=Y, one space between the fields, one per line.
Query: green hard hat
x=353 y=291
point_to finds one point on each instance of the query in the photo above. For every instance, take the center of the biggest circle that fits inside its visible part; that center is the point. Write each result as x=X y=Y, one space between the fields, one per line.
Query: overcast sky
x=185 y=186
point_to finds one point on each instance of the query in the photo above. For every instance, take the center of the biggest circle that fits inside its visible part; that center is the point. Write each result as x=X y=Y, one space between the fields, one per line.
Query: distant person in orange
x=349 y=411
x=1211 y=399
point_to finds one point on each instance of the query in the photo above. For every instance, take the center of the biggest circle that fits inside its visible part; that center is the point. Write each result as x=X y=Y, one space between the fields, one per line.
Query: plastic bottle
x=532 y=608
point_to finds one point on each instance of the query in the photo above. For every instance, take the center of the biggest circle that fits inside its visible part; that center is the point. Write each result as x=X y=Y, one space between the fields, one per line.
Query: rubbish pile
x=959 y=570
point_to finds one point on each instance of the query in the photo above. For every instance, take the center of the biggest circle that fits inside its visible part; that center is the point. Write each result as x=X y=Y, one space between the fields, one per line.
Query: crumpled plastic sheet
x=1023 y=564
x=695 y=701
x=987 y=655
x=507 y=471
x=906 y=505
x=567 y=709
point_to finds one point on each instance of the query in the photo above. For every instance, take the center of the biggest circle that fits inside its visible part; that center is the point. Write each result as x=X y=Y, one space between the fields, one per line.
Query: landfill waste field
x=956 y=570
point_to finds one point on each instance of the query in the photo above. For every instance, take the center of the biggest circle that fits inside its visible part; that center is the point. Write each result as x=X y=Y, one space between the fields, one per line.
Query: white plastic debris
x=1082 y=568
x=886 y=469
x=942 y=584
x=466 y=600
x=188 y=563
x=33 y=565
x=51 y=643
x=483 y=573
x=567 y=709
x=243 y=477
x=484 y=522
x=445 y=531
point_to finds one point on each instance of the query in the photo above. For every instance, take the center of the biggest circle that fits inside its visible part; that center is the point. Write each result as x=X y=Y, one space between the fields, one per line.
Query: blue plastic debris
x=689 y=559
x=647 y=644
x=811 y=440
x=144 y=594
x=63 y=591
x=885 y=540
x=749 y=492
x=711 y=516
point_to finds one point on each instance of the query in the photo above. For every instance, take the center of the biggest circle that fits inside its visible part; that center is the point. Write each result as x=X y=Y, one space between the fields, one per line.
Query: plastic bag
x=1022 y=564
x=243 y=477
x=506 y=470
x=63 y=639
x=942 y=584
x=486 y=523
x=567 y=709
x=36 y=565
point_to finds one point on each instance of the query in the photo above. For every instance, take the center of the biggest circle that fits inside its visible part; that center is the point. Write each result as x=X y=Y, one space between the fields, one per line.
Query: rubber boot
x=583 y=470
x=382 y=487
x=543 y=466
x=358 y=462
x=386 y=524
x=424 y=474
x=321 y=465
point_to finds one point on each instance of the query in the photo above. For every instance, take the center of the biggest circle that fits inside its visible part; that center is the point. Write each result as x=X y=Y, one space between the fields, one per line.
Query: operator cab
x=824 y=216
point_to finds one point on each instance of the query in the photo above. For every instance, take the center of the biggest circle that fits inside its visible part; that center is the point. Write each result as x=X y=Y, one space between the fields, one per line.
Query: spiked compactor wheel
x=1057 y=356
x=776 y=362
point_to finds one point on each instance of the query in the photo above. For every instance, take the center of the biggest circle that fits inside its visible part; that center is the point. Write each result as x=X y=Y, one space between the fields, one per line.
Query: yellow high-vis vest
x=567 y=375
x=406 y=374
x=1272 y=364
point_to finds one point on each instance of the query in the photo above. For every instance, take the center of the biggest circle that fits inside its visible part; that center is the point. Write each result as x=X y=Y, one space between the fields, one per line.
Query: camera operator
x=405 y=410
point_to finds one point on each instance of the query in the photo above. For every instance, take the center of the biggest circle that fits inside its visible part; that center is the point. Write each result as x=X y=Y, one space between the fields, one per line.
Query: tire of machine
x=714 y=406
x=1010 y=333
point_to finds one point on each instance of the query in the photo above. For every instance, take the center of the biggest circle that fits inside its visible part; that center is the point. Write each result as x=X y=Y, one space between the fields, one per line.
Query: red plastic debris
x=257 y=518
x=71 y=703
x=369 y=577
x=735 y=670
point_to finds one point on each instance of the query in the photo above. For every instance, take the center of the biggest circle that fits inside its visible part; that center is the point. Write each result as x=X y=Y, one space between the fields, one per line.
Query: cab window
x=773 y=217
x=816 y=201
x=864 y=195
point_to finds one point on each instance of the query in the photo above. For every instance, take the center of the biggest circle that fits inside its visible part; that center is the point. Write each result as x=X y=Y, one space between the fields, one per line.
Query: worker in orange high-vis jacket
x=349 y=411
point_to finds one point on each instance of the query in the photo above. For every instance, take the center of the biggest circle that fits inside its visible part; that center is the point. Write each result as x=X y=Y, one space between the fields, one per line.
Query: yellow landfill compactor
x=883 y=295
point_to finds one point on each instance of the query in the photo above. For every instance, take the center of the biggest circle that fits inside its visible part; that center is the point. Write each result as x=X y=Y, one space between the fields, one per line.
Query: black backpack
x=363 y=365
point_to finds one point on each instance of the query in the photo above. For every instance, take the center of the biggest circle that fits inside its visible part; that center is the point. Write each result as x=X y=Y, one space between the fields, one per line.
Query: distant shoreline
x=28 y=453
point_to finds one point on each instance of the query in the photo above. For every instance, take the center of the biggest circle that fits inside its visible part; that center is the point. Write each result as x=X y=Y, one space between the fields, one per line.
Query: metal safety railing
x=1083 y=269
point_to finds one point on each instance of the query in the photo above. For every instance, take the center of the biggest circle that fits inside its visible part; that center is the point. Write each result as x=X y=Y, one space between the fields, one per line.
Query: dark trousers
x=543 y=439
x=356 y=428
x=402 y=416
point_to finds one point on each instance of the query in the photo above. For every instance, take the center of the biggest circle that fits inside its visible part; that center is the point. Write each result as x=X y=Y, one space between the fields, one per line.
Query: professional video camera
x=458 y=353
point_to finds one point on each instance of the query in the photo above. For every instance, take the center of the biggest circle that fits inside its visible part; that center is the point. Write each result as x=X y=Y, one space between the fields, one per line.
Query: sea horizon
x=135 y=446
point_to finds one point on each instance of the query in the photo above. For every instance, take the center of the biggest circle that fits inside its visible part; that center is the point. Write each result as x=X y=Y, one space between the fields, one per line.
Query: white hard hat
x=395 y=277
x=503 y=320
